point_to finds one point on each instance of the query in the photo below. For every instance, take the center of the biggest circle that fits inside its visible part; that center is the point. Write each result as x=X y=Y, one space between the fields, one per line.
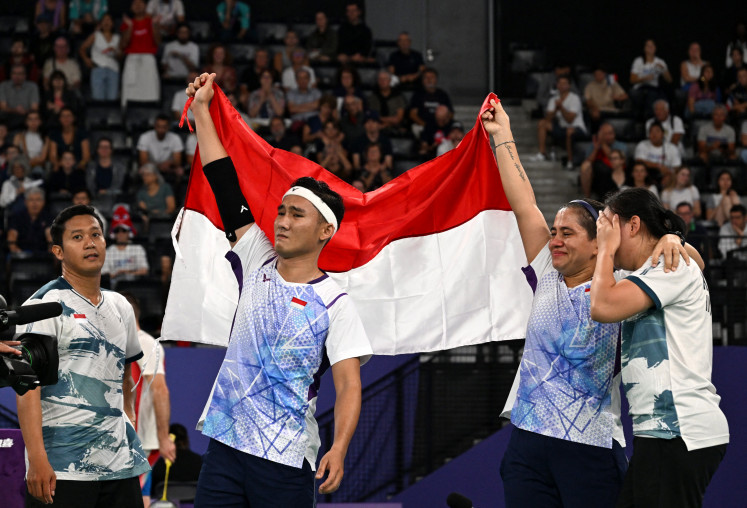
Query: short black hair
x=585 y=219
x=163 y=116
x=332 y=199
x=134 y=301
x=84 y=189
x=104 y=138
x=58 y=224
x=658 y=124
x=739 y=209
x=684 y=203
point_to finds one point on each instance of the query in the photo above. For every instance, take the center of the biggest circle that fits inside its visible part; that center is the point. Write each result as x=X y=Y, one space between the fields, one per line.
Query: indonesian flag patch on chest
x=80 y=318
x=297 y=303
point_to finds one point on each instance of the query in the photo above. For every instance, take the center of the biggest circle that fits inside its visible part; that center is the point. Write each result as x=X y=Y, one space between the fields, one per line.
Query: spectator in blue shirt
x=233 y=18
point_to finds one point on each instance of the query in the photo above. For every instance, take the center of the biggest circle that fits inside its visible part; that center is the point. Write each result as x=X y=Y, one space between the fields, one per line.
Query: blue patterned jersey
x=568 y=384
x=87 y=435
x=285 y=335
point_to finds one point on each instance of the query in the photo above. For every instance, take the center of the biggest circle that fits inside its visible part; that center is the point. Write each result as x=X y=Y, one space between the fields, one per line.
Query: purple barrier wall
x=475 y=475
x=12 y=468
x=190 y=373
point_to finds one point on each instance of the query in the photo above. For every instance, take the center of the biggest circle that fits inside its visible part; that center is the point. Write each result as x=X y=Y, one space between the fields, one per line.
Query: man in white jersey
x=82 y=448
x=152 y=402
x=292 y=322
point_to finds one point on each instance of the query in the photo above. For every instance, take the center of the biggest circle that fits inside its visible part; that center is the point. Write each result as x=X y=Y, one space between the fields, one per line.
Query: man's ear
x=327 y=230
x=57 y=251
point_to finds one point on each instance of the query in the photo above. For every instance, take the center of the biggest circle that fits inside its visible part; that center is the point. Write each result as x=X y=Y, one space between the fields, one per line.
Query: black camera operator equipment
x=37 y=365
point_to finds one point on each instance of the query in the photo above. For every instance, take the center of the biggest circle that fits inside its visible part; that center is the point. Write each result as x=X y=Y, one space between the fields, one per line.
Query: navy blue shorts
x=545 y=471
x=233 y=479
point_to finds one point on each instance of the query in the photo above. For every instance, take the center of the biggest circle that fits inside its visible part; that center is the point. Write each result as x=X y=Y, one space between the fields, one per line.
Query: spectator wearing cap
x=455 y=136
x=124 y=260
x=139 y=42
x=17 y=97
x=61 y=61
x=298 y=63
x=355 y=40
x=372 y=134
x=181 y=56
x=389 y=103
x=404 y=62
x=322 y=42
x=28 y=228
x=435 y=132
x=603 y=94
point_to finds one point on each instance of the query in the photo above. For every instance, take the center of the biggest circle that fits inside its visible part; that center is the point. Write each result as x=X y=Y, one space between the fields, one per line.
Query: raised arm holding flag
x=292 y=322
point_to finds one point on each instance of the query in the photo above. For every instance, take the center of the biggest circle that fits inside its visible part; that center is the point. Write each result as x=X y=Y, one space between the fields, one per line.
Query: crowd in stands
x=685 y=140
x=90 y=100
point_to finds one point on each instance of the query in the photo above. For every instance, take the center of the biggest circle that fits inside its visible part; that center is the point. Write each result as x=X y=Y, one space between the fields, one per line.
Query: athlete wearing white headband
x=315 y=200
x=292 y=321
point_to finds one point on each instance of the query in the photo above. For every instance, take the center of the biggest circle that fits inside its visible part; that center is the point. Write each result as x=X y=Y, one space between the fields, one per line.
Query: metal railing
x=422 y=415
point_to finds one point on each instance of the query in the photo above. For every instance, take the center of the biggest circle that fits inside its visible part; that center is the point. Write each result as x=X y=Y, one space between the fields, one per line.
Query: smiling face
x=299 y=228
x=571 y=249
x=83 y=246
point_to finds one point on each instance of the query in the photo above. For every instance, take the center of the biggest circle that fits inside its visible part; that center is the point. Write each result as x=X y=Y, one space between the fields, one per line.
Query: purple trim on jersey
x=238 y=271
x=324 y=276
x=336 y=298
x=314 y=387
x=531 y=277
x=273 y=258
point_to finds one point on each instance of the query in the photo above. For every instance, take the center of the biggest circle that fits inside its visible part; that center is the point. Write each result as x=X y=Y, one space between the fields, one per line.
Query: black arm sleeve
x=232 y=205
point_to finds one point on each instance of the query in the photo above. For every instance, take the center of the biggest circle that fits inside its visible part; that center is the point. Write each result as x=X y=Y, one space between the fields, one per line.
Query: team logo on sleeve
x=297 y=303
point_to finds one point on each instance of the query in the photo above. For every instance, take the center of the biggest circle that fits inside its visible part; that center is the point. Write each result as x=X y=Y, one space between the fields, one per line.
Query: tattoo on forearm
x=519 y=169
x=510 y=153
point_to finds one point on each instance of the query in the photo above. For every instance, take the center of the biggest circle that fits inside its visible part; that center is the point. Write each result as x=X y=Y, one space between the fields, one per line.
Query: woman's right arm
x=532 y=225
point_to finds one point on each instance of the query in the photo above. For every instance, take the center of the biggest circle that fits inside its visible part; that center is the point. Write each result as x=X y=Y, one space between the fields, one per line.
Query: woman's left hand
x=671 y=246
x=608 y=233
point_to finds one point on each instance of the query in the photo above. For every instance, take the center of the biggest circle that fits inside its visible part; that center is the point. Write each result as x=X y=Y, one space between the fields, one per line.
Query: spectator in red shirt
x=140 y=40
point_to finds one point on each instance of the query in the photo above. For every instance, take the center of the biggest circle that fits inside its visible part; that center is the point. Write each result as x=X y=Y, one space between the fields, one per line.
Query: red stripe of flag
x=298 y=302
x=433 y=197
x=79 y=316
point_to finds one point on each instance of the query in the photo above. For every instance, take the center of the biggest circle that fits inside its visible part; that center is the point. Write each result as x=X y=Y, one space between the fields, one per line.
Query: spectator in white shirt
x=659 y=156
x=166 y=13
x=182 y=56
x=563 y=119
x=162 y=148
x=673 y=126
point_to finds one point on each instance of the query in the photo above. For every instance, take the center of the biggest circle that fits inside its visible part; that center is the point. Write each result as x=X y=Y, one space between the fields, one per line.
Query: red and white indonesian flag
x=432 y=259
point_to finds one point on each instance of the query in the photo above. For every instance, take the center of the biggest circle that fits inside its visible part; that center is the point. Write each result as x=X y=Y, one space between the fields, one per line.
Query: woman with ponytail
x=680 y=434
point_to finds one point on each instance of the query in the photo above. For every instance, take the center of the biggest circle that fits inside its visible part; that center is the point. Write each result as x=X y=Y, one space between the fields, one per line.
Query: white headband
x=315 y=200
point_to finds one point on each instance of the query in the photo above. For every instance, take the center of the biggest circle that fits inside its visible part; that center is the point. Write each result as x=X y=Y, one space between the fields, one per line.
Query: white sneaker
x=538 y=157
